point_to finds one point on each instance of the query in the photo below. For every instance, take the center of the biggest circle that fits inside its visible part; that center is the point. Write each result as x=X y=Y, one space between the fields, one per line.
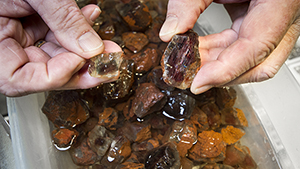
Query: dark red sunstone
x=181 y=60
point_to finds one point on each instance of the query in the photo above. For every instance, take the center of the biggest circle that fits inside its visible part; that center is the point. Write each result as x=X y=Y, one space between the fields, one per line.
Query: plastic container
x=33 y=148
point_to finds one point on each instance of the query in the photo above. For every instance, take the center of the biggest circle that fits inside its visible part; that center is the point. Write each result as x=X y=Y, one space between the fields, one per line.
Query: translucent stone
x=106 y=65
x=181 y=60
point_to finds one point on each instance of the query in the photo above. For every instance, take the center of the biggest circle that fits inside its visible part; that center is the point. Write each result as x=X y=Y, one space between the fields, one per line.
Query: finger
x=181 y=16
x=83 y=80
x=15 y=9
x=90 y=12
x=258 y=37
x=70 y=27
x=268 y=68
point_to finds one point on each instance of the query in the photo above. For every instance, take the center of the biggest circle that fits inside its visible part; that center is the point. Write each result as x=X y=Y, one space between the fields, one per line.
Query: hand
x=261 y=38
x=58 y=64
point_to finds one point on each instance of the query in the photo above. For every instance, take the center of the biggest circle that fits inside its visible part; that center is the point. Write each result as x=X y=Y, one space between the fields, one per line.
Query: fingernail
x=200 y=89
x=95 y=14
x=169 y=26
x=89 y=42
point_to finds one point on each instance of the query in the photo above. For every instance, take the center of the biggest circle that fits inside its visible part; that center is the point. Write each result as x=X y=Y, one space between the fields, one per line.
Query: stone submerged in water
x=181 y=60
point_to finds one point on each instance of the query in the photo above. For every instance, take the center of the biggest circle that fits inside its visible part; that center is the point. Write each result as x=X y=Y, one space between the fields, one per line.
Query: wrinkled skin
x=261 y=38
x=58 y=64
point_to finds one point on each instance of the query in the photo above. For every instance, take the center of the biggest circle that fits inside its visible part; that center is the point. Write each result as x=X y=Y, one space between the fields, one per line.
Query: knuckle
x=267 y=72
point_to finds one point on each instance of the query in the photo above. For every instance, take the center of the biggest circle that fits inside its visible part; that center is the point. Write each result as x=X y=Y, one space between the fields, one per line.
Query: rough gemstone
x=135 y=14
x=106 y=65
x=231 y=134
x=145 y=60
x=181 y=60
x=99 y=139
x=146 y=145
x=213 y=115
x=179 y=105
x=119 y=150
x=155 y=76
x=233 y=116
x=65 y=109
x=136 y=132
x=108 y=118
x=184 y=135
x=122 y=86
x=64 y=138
x=225 y=97
x=164 y=157
x=135 y=41
x=199 y=118
x=83 y=154
x=211 y=144
x=148 y=99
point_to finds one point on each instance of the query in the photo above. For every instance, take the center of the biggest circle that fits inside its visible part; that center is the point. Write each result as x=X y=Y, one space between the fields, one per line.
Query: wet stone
x=108 y=118
x=131 y=165
x=186 y=163
x=153 y=32
x=105 y=65
x=121 y=87
x=145 y=60
x=231 y=134
x=225 y=97
x=179 y=105
x=119 y=150
x=199 y=118
x=181 y=60
x=148 y=99
x=136 y=132
x=83 y=154
x=146 y=145
x=233 y=116
x=135 y=41
x=184 y=135
x=106 y=29
x=99 y=139
x=165 y=156
x=135 y=14
x=63 y=138
x=216 y=166
x=213 y=115
x=238 y=155
x=155 y=76
x=65 y=109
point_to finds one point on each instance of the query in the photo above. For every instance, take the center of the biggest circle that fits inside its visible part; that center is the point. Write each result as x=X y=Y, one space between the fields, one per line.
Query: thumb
x=181 y=16
x=69 y=26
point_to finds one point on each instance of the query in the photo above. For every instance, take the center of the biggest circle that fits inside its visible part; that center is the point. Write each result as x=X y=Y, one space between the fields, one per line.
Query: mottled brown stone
x=233 y=116
x=135 y=41
x=136 y=132
x=147 y=100
x=199 y=118
x=211 y=144
x=135 y=14
x=213 y=115
x=108 y=118
x=65 y=109
x=145 y=60
x=64 y=138
x=83 y=154
x=225 y=97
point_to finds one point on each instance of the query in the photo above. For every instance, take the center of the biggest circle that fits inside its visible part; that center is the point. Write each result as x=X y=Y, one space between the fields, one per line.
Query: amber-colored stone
x=126 y=111
x=131 y=165
x=108 y=118
x=199 y=118
x=233 y=116
x=107 y=29
x=119 y=150
x=145 y=60
x=225 y=97
x=136 y=132
x=106 y=65
x=89 y=124
x=99 y=139
x=146 y=145
x=186 y=163
x=65 y=109
x=213 y=115
x=135 y=14
x=83 y=154
x=211 y=144
x=181 y=60
x=135 y=41
x=63 y=138
x=184 y=135
x=231 y=134
x=216 y=166
x=147 y=100
x=164 y=156
x=238 y=156
x=153 y=31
